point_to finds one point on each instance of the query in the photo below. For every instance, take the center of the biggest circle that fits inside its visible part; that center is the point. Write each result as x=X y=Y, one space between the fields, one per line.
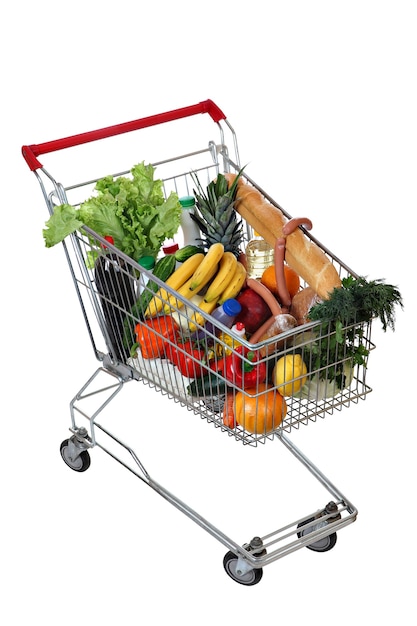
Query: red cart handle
x=31 y=152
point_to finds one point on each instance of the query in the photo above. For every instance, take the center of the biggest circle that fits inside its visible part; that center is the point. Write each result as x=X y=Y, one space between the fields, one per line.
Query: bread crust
x=301 y=254
x=301 y=304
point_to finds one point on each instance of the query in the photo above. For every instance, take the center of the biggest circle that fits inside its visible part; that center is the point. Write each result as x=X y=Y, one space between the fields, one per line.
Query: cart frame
x=243 y=563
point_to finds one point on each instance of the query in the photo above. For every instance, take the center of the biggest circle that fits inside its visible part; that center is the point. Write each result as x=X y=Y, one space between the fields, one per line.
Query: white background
x=322 y=97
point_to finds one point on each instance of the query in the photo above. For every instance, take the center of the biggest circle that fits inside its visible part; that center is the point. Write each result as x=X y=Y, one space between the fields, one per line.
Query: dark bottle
x=116 y=288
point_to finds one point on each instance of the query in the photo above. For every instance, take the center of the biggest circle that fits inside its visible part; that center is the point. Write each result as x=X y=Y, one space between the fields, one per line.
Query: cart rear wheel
x=250 y=578
x=322 y=545
x=80 y=463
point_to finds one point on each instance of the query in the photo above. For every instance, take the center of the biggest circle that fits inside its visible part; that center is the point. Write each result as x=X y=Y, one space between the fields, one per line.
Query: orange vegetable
x=260 y=409
x=152 y=334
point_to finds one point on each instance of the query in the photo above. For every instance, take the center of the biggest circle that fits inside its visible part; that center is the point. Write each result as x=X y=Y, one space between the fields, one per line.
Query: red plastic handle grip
x=30 y=153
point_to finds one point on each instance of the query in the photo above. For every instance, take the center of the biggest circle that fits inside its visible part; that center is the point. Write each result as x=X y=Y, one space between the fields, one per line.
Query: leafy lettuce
x=134 y=211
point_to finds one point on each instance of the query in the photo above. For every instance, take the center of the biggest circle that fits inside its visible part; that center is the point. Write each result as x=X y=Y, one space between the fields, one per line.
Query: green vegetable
x=184 y=253
x=64 y=221
x=207 y=386
x=339 y=343
x=359 y=301
x=163 y=269
x=334 y=351
x=132 y=210
x=317 y=388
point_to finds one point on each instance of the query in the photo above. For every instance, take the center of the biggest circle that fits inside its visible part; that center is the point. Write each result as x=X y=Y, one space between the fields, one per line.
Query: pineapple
x=216 y=216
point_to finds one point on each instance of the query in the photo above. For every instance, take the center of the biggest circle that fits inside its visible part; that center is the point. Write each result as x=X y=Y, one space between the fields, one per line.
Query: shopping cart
x=108 y=313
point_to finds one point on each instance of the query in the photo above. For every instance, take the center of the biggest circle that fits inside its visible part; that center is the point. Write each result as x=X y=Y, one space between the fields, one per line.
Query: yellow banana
x=175 y=281
x=235 y=285
x=227 y=267
x=185 y=271
x=211 y=259
x=157 y=302
x=197 y=318
x=173 y=302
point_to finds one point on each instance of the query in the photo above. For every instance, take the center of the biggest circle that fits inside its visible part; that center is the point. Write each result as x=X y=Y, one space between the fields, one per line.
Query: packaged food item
x=238 y=330
x=190 y=230
x=148 y=262
x=225 y=313
x=259 y=256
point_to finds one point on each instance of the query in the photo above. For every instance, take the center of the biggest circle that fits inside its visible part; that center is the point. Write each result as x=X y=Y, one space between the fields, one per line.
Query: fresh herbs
x=335 y=351
x=340 y=340
x=359 y=301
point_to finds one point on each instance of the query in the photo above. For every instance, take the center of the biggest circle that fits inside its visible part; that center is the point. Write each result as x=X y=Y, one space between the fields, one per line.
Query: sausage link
x=260 y=332
x=279 y=257
x=294 y=223
x=243 y=259
x=266 y=294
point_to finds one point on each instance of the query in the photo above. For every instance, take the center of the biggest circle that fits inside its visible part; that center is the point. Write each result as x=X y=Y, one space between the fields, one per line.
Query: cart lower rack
x=108 y=295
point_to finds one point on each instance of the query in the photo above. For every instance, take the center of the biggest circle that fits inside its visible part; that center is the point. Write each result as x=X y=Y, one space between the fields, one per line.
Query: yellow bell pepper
x=289 y=374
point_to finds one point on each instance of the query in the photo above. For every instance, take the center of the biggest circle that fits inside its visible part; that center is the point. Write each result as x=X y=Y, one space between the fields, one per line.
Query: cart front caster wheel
x=79 y=464
x=322 y=545
x=250 y=578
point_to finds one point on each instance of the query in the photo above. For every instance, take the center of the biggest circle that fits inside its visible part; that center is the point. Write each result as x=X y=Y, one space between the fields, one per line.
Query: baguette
x=301 y=254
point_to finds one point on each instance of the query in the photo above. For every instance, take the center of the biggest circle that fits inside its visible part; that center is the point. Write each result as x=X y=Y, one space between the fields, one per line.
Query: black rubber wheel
x=215 y=403
x=322 y=545
x=80 y=464
x=250 y=578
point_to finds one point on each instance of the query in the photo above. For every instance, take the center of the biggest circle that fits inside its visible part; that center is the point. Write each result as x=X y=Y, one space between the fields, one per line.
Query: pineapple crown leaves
x=215 y=214
x=217 y=189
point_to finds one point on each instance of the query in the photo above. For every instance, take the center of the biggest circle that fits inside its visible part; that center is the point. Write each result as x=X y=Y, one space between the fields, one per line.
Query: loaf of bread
x=301 y=304
x=302 y=254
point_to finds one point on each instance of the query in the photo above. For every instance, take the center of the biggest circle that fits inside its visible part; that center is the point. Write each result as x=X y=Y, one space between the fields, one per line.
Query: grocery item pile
x=223 y=328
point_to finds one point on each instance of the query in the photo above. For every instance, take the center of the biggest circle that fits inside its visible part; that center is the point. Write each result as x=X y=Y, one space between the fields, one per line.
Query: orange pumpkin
x=260 y=409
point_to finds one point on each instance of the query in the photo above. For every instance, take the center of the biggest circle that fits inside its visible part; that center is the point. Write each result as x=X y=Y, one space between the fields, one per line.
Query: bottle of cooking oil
x=259 y=256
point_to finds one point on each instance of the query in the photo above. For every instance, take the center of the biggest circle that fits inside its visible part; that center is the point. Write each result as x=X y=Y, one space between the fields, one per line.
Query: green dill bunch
x=359 y=300
x=215 y=214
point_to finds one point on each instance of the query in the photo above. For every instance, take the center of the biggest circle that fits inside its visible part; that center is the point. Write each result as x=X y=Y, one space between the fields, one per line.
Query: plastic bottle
x=239 y=330
x=259 y=256
x=116 y=288
x=190 y=230
x=226 y=314
x=148 y=262
x=170 y=247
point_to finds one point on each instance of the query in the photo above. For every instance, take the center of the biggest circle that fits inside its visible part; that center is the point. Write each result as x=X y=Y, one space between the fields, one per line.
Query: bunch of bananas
x=218 y=271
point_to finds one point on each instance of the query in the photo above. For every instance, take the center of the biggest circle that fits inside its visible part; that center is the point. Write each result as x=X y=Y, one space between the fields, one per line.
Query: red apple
x=254 y=311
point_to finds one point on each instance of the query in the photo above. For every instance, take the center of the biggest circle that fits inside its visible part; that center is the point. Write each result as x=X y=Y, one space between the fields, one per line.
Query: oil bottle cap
x=187 y=202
